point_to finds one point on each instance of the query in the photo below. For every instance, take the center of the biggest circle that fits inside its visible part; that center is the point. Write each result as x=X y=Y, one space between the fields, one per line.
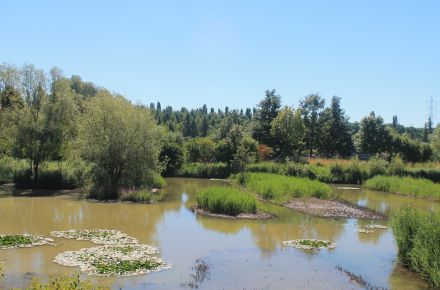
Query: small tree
x=122 y=142
x=288 y=129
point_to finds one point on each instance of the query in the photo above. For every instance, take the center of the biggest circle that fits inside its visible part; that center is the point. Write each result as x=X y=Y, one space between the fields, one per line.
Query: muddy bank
x=331 y=208
x=256 y=216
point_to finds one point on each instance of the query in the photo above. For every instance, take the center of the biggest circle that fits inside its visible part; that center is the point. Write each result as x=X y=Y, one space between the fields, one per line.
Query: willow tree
x=122 y=142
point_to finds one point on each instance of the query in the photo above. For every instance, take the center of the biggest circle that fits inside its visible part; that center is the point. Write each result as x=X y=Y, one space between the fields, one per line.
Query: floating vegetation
x=364 y=231
x=23 y=241
x=310 y=244
x=200 y=273
x=114 y=260
x=376 y=227
x=97 y=236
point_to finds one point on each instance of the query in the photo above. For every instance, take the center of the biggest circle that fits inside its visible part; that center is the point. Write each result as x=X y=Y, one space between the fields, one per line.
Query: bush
x=282 y=189
x=418 y=239
x=205 y=170
x=225 y=200
x=9 y=167
x=55 y=175
x=405 y=185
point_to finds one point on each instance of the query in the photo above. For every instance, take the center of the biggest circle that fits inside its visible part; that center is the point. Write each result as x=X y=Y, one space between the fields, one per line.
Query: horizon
x=380 y=57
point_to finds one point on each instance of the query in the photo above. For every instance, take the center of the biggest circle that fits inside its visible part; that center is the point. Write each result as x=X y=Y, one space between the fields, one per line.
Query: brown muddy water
x=240 y=254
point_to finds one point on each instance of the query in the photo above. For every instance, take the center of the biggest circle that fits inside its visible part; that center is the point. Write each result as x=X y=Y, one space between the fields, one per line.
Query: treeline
x=71 y=131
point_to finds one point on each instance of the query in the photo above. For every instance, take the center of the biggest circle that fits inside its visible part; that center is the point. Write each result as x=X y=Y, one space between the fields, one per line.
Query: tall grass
x=405 y=185
x=226 y=200
x=55 y=175
x=418 y=239
x=205 y=170
x=9 y=167
x=280 y=188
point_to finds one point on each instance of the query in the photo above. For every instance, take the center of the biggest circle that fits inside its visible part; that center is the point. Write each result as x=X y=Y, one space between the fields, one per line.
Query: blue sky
x=375 y=55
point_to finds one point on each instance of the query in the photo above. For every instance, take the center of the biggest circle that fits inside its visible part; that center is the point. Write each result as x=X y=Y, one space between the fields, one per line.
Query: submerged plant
x=310 y=244
x=97 y=236
x=23 y=241
x=114 y=260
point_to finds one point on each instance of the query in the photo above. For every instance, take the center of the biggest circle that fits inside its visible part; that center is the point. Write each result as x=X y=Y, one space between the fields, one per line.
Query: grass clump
x=418 y=239
x=418 y=187
x=282 y=189
x=141 y=196
x=225 y=200
x=205 y=170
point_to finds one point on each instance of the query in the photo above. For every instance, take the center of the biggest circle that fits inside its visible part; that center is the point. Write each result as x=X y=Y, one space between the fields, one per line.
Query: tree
x=288 y=129
x=373 y=137
x=172 y=155
x=267 y=111
x=121 y=141
x=311 y=106
x=334 y=131
x=45 y=122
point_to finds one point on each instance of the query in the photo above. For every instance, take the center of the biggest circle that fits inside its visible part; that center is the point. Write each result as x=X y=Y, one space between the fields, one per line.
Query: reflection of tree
x=288 y=225
x=402 y=278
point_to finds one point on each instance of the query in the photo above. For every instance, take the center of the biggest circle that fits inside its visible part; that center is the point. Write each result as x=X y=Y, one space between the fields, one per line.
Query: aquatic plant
x=142 y=196
x=23 y=241
x=226 y=200
x=204 y=170
x=282 y=189
x=114 y=260
x=200 y=273
x=405 y=185
x=65 y=282
x=97 y=236
x=310 y=244
x=417 y=235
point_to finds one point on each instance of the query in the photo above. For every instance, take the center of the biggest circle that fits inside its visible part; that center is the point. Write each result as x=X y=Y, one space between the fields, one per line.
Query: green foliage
x=266 y=112
x=200 y=150
x=373 y=137
x=124 y=266
x=288 y=131
x=55 y=175
x=14 y=240
x=205 y=170
x=311 y=107
x=405 y=185
x=9 y=167
x=172 y=155
x=282 y=189
x=65 y=282
x=226 y=200
x=418 y=239
x=334 y=131
x=141 y=196
x=121 y=141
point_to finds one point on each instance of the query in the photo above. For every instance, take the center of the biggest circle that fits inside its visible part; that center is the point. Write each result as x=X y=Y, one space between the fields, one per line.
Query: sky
x=374 y=54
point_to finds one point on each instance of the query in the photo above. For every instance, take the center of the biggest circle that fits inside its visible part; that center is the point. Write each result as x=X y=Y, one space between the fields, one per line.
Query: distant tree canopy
x=46 y=116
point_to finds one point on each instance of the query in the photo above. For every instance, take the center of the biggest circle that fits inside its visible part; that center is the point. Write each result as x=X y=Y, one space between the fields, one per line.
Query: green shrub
x=205 y=170
x=418 y=239
x=280 y=188
x=55 y=175
x=226 y=200
x=9 y=166
x=405 y=185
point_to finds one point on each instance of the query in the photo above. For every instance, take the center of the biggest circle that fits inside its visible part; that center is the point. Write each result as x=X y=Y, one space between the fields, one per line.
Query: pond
x=238 y=253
